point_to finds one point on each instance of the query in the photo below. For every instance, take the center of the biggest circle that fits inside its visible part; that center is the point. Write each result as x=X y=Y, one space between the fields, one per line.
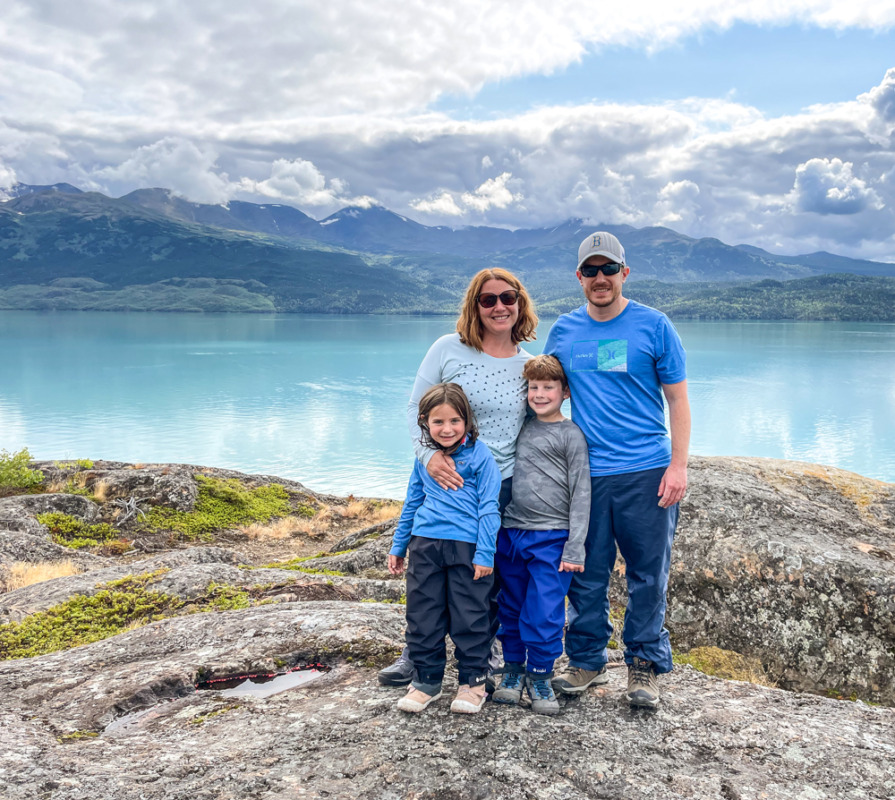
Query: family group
x=514 y=514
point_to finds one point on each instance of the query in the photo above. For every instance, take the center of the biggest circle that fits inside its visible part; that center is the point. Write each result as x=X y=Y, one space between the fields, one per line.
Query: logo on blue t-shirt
x=603 y=355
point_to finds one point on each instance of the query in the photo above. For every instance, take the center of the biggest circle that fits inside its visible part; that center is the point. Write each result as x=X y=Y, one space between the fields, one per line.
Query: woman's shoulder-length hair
x=469 y=324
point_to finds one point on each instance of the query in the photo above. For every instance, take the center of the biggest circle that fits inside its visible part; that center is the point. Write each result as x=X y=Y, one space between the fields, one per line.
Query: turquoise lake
x=322 y=399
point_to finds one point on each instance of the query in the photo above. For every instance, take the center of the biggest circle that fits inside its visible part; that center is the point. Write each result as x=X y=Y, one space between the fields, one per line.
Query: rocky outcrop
x=341 y=736
x=793 y=564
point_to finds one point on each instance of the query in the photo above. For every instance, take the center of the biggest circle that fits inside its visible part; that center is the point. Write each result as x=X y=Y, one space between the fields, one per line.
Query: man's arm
x=674 y=481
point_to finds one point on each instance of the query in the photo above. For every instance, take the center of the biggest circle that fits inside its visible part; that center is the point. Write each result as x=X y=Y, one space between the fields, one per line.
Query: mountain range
x=61 y=247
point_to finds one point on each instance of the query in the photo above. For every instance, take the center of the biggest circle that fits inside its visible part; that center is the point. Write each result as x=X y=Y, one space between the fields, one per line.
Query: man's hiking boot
x=400 y=673
x=643 y=688
x=575 y=679
x=510 y=689
x=540 y=692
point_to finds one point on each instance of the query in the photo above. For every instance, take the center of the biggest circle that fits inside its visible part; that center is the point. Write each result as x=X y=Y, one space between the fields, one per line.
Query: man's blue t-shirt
x=615 y=371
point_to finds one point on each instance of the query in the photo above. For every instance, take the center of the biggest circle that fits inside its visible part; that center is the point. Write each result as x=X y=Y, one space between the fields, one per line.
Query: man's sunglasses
x=591 y=270
x=508 y=298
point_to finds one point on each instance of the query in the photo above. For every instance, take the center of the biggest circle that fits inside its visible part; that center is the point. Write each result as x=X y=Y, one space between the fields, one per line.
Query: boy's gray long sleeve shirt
x=551 y=483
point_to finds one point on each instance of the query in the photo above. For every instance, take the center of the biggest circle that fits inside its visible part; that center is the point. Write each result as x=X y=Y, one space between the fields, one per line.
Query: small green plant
x=222 y=504
x=81 y=463
x=77 y=736
x=81 y=620
x=120 y=604
x=310 y=571
x=226 y=598
x=72 y=532
x=201 y=719
x=15 y=472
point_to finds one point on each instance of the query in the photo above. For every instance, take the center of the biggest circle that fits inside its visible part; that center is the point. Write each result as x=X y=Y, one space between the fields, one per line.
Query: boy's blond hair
x=545 y=368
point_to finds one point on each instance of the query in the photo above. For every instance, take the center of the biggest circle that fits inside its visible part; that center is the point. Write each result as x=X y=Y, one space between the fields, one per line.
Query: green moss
x=222 y=504
x=226 y=598
x=203 y=718
x=77 y=736
x=81 y=620
x=725 y=664
x=310 y=571
x=81 y=463
x=121 y=604
x=14 y=470
x=72 y=532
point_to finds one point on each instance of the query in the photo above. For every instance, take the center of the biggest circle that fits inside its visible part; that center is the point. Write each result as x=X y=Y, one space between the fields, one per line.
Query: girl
x=451 y=534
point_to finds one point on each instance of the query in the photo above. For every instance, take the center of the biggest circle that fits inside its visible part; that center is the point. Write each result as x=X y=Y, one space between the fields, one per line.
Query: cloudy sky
x=731 y=118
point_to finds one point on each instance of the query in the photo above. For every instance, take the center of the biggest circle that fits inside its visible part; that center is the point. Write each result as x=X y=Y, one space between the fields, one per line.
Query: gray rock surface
x=35 y=548
x=185 y=574
x=340 y=736
x=793 y=564
x=17 y=513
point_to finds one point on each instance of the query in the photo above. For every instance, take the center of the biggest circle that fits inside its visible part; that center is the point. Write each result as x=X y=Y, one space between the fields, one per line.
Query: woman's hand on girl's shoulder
x=395 y=564
x=443 y=471
x=481 y=572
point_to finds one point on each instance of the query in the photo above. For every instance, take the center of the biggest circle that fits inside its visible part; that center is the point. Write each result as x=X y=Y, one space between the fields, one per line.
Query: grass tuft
x=22 y=574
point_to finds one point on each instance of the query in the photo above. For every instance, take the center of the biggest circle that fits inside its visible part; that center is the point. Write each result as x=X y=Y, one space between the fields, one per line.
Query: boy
x=542 y=541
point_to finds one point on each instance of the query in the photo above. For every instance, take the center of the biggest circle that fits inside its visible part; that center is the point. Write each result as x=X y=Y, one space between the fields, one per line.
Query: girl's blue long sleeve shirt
x=469 y=514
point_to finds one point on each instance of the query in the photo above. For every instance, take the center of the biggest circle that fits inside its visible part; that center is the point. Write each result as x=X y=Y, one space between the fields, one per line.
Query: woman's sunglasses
x=508 y=298
x=591 y=270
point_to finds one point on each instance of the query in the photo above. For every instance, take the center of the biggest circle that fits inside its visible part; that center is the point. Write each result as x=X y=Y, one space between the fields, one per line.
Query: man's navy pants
x=624 y=511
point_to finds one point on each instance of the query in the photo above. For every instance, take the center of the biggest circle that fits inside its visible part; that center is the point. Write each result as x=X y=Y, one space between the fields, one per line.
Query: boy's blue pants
x=624 y=510
x=532 y=596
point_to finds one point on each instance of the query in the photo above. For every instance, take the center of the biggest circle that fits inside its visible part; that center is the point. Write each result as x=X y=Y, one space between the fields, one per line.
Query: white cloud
x=827 y=186
x=298 y=181
x=493 y=193
x=322 y=105
x=442 y=204
x=175 y=164
x=289 y=59
x=882 y=97
x=7 y=177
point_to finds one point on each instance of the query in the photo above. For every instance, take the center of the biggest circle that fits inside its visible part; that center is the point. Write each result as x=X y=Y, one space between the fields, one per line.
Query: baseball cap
x=601 y=244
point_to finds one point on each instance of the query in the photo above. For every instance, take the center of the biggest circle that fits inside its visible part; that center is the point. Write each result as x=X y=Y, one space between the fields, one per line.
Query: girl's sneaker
x=469 y=699
x=511 y=684
x=540 y=692
x=415 y=701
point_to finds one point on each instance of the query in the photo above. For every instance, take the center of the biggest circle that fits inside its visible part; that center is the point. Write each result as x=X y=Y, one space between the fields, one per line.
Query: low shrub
x=222 y=504
x=75 y=533
x=15 y=472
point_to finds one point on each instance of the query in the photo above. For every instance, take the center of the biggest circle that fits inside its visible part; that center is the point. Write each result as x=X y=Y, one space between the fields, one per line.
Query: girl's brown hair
x=450 y=394
x=469 y=325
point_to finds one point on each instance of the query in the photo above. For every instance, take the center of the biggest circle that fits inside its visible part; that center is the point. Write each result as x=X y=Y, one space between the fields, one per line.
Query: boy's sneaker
x=469 y=699
x=643 y=688
x=540 y=692
x=400 y=673
x=415 y=701
x=510 y=689
x=575 y=679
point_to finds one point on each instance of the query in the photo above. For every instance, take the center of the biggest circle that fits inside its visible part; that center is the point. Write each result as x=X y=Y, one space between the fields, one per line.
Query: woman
x=485 y=359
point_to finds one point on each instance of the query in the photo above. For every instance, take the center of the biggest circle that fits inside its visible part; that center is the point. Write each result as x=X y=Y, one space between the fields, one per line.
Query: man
x=621 y=358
